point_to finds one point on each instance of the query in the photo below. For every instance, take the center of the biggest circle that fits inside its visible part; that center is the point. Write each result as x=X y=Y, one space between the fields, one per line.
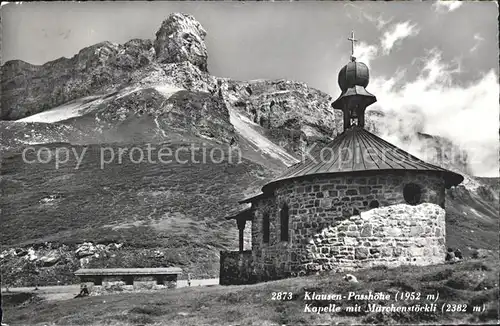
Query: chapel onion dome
x=353 y=80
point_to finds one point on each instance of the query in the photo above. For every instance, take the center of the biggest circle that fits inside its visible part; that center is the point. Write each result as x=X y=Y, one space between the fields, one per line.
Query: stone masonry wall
x=268 y=256
x=391 y=236
x=236 y=268
x=325 y=202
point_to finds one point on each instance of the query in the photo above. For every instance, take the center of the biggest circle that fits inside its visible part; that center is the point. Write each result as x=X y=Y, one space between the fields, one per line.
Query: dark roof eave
x=254 y=198
x=358 y=91
x=245 y=214
x=450 y=178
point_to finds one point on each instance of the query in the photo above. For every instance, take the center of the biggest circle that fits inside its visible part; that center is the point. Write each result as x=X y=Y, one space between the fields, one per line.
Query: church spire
x=354 y=99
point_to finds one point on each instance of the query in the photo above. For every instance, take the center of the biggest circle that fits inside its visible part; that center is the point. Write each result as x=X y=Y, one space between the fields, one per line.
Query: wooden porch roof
x=246 y=214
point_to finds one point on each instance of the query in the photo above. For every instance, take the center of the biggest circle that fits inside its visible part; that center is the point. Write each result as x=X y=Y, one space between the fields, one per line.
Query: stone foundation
x=390 y=236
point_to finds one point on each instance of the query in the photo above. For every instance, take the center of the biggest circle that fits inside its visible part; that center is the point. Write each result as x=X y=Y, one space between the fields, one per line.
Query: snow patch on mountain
x=62 y=112
x=166 y=89
x=245 y=127
x=85 y=105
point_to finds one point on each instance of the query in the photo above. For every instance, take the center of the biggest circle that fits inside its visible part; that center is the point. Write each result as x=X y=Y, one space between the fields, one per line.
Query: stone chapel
x=362 y=202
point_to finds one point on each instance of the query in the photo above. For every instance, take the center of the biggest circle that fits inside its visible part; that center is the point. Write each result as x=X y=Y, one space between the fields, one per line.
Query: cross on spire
x=353 y=40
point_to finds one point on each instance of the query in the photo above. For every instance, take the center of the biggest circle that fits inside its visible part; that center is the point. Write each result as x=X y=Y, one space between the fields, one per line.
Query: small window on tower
x=284 y=222
x=265 y=228
x=412 y=193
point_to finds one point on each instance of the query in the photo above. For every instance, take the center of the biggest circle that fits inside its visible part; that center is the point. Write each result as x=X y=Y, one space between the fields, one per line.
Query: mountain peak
x=99 y=68
x=181 y=38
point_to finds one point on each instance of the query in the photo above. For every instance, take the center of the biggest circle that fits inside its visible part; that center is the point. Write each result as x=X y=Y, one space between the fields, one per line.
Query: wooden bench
x=105 y=280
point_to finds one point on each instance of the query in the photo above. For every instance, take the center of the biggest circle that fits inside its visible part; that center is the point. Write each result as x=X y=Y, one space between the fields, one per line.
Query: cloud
x=359 y=13
x=397 y=33
x=365 y=52
x=431 y=103
x=478 y=38
x=434 y=104
x=446 y=6
x=3 y=3
x=378 y=21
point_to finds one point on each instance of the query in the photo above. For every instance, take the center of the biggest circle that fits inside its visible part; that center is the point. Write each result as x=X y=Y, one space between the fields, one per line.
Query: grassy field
x=471 y=283
x=176 y=208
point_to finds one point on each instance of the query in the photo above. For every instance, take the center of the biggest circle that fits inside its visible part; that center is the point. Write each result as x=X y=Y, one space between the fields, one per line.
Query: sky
x=434 y=65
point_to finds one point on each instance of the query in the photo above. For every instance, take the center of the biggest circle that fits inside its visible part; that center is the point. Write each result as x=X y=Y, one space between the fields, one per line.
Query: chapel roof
x=357 y=151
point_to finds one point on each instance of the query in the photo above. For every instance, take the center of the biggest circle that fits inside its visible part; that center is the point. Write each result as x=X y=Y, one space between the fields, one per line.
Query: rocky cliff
x=29 y=89
x=181 y=38
x=292 y=114
x=160 y=92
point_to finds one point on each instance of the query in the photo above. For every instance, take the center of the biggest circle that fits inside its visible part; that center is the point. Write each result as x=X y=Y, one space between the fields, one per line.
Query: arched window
x=284 y=222
x=265 y=227
x=412 y=193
